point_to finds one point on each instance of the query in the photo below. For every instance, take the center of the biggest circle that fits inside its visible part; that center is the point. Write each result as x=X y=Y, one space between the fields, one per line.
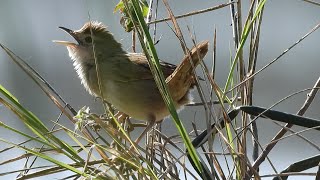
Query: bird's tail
x=180 y=81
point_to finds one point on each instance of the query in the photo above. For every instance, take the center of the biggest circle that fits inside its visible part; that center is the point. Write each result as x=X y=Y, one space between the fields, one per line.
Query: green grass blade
x=244 y=37
x=160 y=81
x=48 y=158
x=36 y=125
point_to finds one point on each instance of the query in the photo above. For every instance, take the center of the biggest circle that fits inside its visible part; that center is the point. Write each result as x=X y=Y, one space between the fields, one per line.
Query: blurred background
x=28 y=28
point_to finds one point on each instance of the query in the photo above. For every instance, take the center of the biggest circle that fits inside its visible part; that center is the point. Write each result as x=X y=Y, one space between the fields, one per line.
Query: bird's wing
x=135 y=67
x=141 y=61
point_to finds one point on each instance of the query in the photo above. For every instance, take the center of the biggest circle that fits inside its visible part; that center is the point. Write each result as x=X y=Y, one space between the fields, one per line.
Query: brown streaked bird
x=126 y=79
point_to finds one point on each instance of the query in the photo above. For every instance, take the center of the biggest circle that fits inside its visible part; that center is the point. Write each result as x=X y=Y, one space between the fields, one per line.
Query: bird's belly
x=139 y=99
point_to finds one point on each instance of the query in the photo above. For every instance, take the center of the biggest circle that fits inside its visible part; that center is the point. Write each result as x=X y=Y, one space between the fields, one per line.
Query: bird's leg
x=149 y=126
x=152 y=137
x=121 y=116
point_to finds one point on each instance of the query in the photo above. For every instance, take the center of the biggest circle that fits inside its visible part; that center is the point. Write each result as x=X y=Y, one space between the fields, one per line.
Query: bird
x=126 y=79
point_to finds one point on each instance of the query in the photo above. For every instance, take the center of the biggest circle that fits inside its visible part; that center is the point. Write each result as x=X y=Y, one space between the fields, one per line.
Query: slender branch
x=277 y=58
x=281 y=133
x=193 y=13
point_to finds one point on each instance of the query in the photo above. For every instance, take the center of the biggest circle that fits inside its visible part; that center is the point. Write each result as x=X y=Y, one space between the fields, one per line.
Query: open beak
x=68 y=43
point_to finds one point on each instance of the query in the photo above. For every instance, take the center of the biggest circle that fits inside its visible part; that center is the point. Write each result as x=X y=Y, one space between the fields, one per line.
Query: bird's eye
x=88 y=39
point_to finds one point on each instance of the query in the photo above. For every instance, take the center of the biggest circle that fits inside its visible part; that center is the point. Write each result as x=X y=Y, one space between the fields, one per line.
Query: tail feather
x=180 y=81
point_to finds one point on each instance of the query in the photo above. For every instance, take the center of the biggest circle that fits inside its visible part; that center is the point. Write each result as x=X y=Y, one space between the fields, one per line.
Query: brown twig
x=281 y=133
x=312 y=2
x=193 y=13
x=176 y=27
x=277 y=58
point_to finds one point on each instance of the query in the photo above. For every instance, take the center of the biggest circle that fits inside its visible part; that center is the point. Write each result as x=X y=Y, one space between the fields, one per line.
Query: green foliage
x=128 y=15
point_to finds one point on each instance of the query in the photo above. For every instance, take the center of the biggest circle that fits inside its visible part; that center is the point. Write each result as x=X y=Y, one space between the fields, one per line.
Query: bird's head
x=92 y=40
